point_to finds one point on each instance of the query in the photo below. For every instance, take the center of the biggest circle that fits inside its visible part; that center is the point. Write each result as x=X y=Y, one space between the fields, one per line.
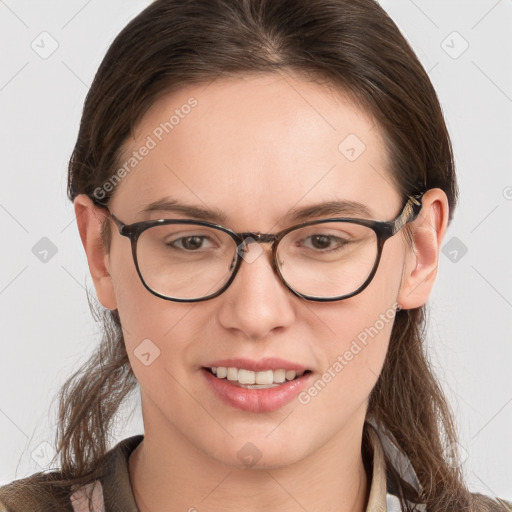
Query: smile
x=255 y=380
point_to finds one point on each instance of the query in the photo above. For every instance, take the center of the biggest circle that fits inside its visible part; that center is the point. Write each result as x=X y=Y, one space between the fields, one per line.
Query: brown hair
x=355 y=47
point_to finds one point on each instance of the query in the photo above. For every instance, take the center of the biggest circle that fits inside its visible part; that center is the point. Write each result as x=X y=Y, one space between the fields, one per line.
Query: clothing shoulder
x=34 y=494
x=39 y=493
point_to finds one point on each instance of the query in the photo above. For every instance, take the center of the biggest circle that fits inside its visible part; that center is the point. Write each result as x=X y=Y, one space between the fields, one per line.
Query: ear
x=90 y=219
x=428 y=231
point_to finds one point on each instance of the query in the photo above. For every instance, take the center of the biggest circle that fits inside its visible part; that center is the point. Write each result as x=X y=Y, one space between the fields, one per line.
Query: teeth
x=255 y=379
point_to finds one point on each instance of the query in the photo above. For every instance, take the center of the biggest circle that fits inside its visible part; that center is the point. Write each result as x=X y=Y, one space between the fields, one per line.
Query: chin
x=258 y=453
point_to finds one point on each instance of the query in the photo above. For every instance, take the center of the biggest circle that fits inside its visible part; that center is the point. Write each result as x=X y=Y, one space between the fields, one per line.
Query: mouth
x=265 y=389
x=249 y=379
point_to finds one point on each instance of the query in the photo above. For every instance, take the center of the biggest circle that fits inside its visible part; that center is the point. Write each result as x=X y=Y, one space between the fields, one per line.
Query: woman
x=262 y=189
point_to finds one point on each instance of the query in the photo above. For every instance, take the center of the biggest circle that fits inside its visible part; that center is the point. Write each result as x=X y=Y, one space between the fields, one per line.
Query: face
x=254 y=148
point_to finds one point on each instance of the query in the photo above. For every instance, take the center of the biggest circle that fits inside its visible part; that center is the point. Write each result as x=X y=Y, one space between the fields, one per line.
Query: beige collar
x=378 y=489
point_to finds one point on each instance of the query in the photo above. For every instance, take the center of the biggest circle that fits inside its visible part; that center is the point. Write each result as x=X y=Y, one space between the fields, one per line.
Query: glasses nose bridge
x=260 y=238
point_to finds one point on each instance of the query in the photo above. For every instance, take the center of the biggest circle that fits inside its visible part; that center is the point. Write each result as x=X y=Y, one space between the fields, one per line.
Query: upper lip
x=267 y=363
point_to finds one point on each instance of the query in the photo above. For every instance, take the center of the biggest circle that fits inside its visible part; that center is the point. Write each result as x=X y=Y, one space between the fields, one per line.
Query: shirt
x=113 y=491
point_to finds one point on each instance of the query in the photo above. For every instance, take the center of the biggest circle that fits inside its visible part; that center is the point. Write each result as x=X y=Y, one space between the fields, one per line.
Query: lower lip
x=256 y=400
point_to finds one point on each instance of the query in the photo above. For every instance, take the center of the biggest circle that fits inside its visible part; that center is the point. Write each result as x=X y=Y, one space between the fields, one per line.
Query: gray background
x=47 y=330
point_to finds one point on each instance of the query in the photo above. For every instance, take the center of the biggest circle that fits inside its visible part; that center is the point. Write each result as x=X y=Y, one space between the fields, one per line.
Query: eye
x=189 y=243
x=322 y=242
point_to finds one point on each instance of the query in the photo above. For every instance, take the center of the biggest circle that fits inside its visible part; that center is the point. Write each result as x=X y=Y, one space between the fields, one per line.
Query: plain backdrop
x=50 y=53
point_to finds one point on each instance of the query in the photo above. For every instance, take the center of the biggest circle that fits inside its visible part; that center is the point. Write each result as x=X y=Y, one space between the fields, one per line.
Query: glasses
x=320 y=260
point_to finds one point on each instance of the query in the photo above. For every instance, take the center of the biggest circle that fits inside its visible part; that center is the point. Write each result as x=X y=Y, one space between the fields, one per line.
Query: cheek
x=360 y=329
x=137 y=307
x=144 y=317
x=158 y=334
x=352 y=361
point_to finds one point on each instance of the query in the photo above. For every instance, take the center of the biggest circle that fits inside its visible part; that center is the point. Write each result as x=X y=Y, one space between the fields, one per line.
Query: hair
x=352 y=46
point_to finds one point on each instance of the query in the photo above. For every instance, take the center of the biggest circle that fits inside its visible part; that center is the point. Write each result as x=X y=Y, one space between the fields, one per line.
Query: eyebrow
x=196 y=212
x=337 y=208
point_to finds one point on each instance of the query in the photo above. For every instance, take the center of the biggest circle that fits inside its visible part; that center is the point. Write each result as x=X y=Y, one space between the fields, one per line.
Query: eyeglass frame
x=383 y=230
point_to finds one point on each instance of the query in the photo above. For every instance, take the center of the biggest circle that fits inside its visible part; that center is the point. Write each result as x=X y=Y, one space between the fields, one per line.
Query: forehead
x=253 y=144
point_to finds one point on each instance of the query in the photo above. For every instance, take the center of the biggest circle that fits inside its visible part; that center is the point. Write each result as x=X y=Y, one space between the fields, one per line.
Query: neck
x=168 y=473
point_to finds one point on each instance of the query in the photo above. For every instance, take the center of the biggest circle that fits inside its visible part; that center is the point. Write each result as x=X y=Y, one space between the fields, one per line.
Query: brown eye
x=189 y=243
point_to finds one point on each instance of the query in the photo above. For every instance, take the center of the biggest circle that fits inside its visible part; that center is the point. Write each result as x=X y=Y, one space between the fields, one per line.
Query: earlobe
x=428 y=231
x=90 y=219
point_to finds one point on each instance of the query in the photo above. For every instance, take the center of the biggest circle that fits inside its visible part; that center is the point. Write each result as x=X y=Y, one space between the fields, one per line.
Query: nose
x=257 y=302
